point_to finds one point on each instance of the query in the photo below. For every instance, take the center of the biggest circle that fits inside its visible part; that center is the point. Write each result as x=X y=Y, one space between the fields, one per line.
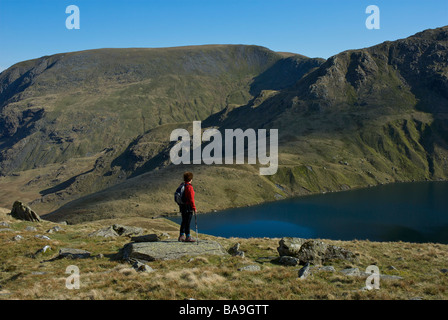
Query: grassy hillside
x=77 y=104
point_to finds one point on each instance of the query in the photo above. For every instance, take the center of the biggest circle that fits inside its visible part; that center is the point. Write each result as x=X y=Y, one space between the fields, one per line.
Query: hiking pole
x=196 y=223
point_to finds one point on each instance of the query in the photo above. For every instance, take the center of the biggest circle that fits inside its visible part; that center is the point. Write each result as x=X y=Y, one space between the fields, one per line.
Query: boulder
x=290 y=246
x=338 y=253
x=169 y=250
x=23 y=212
x=305 y=271
x=313 y=251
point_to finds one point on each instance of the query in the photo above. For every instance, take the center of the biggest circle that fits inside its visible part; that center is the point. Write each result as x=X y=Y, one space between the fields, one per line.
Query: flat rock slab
x=170 y=249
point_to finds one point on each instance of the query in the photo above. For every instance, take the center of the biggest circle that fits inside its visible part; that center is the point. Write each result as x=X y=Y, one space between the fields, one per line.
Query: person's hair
x=188 y=176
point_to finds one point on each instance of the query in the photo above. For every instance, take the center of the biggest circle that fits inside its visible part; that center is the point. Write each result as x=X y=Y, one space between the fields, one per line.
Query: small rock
x=54 y=229
x=40 y=252
x=164 y=236
x=351 y=272
x=30 y=228
x=278 y=196
x=145 y=268
x=39 y=236
x=141 y=267
x=305 y=271
x=17 y=238
x=266 y=259
x=73 y=253
x=5 y=224
x=288 y=261
x=108 y=232
x=326 y=269
x=250 y=268
x=390 y=277
x=6 y=229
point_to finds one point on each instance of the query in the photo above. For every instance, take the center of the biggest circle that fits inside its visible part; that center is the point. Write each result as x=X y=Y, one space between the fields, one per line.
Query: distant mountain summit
x=92 y=128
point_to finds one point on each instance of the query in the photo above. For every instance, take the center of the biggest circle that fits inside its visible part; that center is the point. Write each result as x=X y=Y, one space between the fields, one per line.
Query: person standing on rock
x=187 y=209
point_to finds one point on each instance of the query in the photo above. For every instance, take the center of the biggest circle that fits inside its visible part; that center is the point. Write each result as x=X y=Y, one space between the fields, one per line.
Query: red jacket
x=189 y=196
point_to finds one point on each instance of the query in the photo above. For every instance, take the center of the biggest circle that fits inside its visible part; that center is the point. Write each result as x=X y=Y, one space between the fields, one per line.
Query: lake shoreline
x=404 y=211
x=311 y=194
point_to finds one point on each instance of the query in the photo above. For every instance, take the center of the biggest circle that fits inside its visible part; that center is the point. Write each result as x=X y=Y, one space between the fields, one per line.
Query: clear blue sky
x=320 y=28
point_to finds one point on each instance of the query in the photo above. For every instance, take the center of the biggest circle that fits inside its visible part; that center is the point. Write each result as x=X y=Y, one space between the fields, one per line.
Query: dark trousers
x=186 y=221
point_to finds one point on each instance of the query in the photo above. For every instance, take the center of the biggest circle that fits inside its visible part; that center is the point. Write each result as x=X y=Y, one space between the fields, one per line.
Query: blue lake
x=411 y=212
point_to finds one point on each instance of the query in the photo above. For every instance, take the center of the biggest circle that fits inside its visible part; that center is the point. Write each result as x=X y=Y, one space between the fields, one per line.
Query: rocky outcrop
x=23 y=212
x=117 y=230
x=313 y=251
x=169 y=250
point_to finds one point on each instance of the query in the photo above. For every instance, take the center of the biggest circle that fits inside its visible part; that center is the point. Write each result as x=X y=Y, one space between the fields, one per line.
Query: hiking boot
x=189 y=239
x=181 y=238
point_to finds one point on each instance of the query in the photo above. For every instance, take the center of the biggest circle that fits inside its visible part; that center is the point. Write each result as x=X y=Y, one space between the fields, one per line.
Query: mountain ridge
x=362 y=117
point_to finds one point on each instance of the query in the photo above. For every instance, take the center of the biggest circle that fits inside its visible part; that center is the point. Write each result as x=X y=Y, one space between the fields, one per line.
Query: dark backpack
x=179 y=195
